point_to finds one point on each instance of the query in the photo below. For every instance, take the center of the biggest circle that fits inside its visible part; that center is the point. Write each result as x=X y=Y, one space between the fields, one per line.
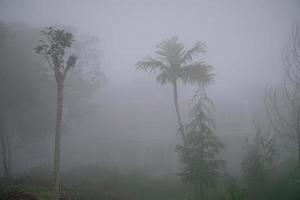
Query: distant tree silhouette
x=175 y=63
x=199 y=154
x=24 y=92
x=258 y=162
x=283 y=104
x=53 y=49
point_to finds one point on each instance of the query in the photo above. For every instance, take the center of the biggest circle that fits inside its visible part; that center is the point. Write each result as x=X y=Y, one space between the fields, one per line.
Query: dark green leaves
x=71 y=61
x=54 y=47
x=199 y=154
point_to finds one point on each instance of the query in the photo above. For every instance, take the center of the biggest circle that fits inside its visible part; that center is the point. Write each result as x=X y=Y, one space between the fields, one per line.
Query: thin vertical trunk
x=201 y=190
x=198 y=190
x=298 y=137
x=195 y=191
x=5 y=153
x=5 y=156
x=59 y=110
x=177 y=111
x=8 y=143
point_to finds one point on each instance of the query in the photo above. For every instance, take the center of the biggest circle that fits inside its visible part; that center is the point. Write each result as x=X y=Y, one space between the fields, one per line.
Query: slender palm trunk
x=177 y=111
x=59 y=109
x=298 y=137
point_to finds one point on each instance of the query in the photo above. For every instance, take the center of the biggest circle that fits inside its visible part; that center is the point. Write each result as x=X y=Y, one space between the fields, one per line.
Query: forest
x=149 y=100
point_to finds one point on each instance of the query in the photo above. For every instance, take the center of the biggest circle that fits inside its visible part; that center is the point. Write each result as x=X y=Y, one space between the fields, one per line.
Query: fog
x=127 y=122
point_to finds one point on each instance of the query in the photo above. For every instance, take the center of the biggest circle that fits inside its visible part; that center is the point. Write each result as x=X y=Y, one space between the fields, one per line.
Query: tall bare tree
x=53 y=49
x=175 y=63
x=283 y=104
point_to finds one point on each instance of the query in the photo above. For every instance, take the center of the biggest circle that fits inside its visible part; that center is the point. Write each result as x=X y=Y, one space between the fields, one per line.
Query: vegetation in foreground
x=94 y=182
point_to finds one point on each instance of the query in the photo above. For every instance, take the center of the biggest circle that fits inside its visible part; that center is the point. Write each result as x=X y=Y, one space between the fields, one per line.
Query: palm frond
x=172 y=61
x=149 y=64
x=171 y=51
x=199 y=47
x=196 y=73
x=164 y=77
x=167 y=44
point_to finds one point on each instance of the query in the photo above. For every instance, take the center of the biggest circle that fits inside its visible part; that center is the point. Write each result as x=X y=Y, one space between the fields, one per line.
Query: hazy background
x=245 y=40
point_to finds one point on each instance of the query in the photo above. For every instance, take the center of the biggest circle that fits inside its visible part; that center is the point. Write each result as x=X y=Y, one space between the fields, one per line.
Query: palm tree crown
x=175 y=63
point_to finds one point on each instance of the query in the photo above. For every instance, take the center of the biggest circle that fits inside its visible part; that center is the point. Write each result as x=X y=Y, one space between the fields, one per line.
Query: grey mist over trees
x=162 y=99
x=282 y=103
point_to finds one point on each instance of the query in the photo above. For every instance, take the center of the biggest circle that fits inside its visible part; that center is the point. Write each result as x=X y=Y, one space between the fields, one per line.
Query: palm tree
x=175 y=63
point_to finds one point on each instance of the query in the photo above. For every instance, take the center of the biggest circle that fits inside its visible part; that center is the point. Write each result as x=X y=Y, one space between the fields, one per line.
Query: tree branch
x=49 y=62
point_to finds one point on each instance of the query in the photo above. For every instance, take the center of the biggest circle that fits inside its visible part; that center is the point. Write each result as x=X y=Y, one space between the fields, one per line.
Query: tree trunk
x=177 y=111
x=5 y=153
x=201 y=189
x=198 y=190
x=59 y=110
x=298 y=137
x=195 y=191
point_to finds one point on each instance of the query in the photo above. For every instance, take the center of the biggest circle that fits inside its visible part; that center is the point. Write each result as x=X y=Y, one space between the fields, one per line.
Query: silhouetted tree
x=83 y=81
x=175 y=63
x=258 y=162
x=5 y=150
x=54 y=50
x=233 y=190
x=283 y=104
x=24 y=92
x=199 y=154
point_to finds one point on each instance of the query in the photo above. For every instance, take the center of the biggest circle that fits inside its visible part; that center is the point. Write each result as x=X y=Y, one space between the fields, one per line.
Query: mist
x=121 y=136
